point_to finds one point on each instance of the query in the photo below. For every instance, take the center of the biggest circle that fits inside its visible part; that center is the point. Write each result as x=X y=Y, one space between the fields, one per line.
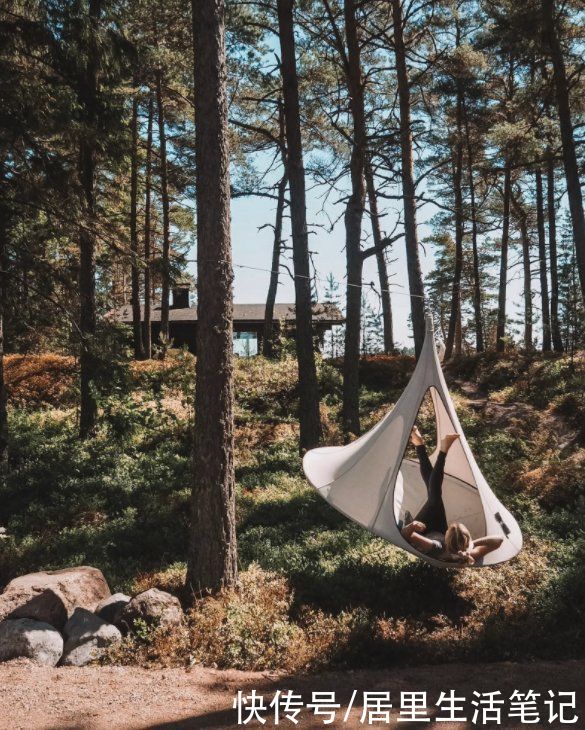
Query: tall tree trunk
x=381 y=261
x=309 y=418
x=545 y=305
x=479 y=343
x=458 y=336
x=455 y=315
x=557 y=339
x=87 y=95
x=147 y=333
x=415 y=281
x=353 y=216
x=527 y=278
x=134 y=256
x=503 y=284
x=4 y=213
x=164 y=194
x=567 y=136
x=212 y=561
x=268 y=338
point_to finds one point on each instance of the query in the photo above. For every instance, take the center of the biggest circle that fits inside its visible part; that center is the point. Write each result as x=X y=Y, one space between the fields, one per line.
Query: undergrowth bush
x=35 y=381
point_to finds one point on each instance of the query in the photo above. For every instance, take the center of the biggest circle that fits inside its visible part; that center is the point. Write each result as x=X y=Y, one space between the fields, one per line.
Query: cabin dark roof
x=252 y=313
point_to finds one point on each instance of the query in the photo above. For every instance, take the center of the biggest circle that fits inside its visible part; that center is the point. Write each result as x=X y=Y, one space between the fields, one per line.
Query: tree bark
x=526 y=266
x=479 y=343
x=455 y=316
x=134 y=255
x=268 y=338
x=212 y=561
x=408 y=187
x=164 y=194
x=544 y=300
x=503 y=284
x=574 y=193
x=353 y=216
x=88 y=100
x=309 y=417
x=147 y=333
x=3 y=281
x=381 y=261
x=557 y=340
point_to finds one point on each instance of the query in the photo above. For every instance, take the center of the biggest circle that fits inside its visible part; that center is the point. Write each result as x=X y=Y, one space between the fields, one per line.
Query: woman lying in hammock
x=429 y=532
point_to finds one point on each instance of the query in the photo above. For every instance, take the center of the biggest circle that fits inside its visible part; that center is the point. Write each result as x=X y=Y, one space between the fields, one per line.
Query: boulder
x=41 y=605
x=87 y=635
x=52 y=595
x=36 y=640
x=156 y=608
x=110 y=608
x=81 y=655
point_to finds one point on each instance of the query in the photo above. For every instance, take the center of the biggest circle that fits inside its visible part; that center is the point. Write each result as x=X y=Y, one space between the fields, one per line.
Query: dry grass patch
x=40 y=380
x=557 y=482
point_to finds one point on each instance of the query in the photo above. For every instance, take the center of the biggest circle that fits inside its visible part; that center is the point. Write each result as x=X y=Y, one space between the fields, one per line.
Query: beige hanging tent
x=371 y=482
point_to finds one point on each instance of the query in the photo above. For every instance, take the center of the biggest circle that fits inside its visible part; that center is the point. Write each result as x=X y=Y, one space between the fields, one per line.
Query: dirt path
x=116 y=698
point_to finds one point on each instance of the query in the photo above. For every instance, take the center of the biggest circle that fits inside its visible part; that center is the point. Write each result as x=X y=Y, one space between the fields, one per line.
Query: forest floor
x=317 y=592
x=130 y=698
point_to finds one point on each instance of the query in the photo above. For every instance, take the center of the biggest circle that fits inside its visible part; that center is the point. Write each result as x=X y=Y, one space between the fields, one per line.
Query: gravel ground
x=128 y=698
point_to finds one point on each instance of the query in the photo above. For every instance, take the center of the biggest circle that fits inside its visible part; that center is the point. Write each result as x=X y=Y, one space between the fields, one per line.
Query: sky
x=252 y=247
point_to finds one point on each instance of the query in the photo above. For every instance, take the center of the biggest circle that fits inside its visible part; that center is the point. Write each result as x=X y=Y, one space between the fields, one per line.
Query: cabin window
x=245 y=344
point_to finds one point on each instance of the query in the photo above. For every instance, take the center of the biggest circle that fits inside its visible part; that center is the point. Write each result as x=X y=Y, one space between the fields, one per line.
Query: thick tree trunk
x=268 y=339
x=3 y=281
x=381 y=261
x=212 y=556
x=309 y=418
x=455 y=316
x=134 y=256
x=408 y=187
x=574 y=193
x=353 y=216
x=544 y=301
x=503 y=284
x=479 y=343
x=147 y=332
x=557 y=339
x=87 y=95
x=164 y=194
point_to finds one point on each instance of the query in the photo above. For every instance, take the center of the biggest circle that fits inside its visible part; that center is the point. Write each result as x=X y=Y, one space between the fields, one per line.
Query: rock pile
x=70 y=617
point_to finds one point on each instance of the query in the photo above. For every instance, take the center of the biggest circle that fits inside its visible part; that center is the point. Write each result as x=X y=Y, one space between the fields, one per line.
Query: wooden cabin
x=248 y=322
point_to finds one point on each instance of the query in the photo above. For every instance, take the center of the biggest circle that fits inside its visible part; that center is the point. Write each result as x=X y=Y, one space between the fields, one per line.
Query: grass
x=316 y=589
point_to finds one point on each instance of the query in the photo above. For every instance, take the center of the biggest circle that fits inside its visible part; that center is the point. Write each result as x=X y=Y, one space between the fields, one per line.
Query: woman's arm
x=411 y=533
x=484 y=545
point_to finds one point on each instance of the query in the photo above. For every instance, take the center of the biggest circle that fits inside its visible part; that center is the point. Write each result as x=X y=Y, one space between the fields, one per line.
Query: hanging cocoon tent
x=371 y=482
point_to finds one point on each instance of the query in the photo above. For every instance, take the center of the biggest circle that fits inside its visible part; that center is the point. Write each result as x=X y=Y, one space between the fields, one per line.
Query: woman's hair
x=458 y=539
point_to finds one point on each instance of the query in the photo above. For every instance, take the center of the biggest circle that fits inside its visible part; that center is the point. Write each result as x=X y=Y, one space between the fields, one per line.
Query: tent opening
x=461 y=496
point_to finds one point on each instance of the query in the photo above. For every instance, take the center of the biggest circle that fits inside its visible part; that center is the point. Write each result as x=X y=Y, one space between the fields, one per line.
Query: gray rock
x=87 y=635
x=52 y=595
x=110 y=609
x=81 y=655
x=35 y=640
x=155 y=607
